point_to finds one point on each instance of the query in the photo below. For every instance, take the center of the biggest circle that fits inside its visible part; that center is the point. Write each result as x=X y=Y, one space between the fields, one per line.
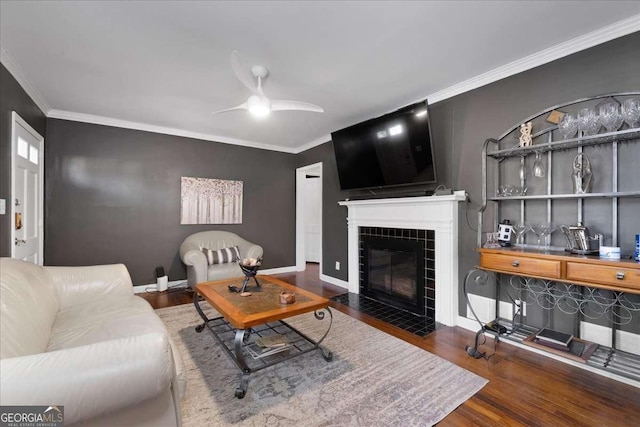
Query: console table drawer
x=522 y=265
x=599 y=274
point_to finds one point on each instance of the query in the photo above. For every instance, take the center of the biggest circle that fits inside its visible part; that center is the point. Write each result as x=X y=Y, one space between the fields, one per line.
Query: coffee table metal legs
x=241 y=338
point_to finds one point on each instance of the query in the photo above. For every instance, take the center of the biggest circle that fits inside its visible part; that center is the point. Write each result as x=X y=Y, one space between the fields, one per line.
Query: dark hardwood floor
x=524 y=389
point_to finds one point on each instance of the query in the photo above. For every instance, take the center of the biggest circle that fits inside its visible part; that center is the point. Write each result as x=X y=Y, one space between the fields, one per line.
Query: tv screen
x=394 y=149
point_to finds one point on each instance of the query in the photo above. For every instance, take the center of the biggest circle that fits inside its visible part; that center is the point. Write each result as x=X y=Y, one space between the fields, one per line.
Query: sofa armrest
x=90 y=380
x=196 y=263
x=79 y=285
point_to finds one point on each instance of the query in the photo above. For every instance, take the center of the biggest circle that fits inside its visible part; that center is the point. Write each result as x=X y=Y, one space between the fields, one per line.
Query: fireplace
x=419 y=215
x=397 y=267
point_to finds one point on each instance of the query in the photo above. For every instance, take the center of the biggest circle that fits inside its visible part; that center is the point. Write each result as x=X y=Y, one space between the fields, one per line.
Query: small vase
x=581 y=176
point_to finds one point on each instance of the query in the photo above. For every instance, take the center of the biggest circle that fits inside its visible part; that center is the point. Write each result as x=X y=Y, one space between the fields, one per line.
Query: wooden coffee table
x=244 y=320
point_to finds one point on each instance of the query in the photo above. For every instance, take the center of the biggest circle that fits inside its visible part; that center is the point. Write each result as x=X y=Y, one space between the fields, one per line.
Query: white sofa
x=79 y=337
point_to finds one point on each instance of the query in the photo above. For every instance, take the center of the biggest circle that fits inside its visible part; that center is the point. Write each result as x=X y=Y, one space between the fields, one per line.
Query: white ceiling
x=165 y=65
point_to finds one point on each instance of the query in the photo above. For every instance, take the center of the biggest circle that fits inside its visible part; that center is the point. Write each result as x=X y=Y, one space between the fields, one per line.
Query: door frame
x=17 y=120
x=301 y=172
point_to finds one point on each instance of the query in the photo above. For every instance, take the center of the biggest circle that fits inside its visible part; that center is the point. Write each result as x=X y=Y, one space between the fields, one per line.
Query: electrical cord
x=466 y=214
x=474 y=351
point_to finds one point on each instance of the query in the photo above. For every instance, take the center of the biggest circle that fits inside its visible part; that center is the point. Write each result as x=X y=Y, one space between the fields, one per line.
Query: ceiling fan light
x=259 y=107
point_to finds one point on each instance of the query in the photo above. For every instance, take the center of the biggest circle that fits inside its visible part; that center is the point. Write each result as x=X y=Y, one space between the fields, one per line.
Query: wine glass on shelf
x=539 y=169
x=588 y=122
x=548 y=230
x=540 y=230
x=631 y=112
x=609 y=116
x=568 y=126
x=520 y=229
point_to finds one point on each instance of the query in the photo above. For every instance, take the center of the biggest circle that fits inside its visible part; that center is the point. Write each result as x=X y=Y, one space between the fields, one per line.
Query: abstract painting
x=210 y=201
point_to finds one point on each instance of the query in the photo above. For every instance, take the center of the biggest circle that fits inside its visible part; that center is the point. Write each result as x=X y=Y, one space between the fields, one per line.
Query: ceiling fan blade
x=280 y=105
x=242 y=106
x=242 y=74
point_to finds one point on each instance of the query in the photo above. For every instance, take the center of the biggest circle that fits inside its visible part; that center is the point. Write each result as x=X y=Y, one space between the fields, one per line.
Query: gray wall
x=334 y=217
x=113 y=195
x=462 y=123
x=12 y=98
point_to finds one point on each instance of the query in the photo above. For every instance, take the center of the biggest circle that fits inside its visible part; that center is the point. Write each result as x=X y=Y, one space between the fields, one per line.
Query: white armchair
x=199 y=271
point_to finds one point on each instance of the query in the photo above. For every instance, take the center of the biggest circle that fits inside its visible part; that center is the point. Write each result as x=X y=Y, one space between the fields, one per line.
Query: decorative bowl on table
x=250 y=265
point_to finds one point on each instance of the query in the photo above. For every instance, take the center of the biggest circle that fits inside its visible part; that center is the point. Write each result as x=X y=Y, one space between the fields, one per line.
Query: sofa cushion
x=96 y=322
x=223 y=271
x=221 y=256
x=28 y=307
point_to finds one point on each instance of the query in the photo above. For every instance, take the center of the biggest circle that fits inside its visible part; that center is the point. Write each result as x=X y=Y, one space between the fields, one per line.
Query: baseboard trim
x=141 y=289
x=278 y=270
x=334 y=281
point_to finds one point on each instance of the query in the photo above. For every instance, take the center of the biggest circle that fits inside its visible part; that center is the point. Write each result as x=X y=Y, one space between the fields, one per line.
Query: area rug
x=374 y=379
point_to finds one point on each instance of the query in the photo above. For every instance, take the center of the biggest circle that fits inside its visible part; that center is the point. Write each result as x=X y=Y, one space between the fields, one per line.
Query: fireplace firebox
x=397 y=268
x=393 y=273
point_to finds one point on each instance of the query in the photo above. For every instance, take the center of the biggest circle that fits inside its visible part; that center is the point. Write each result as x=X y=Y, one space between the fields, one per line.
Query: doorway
x=309 y=216
x=27 y=184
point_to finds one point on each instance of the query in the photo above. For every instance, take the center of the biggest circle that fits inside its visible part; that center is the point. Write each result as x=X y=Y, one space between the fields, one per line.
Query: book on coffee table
x=258 y=352
x=555 y=337
x=271 y=341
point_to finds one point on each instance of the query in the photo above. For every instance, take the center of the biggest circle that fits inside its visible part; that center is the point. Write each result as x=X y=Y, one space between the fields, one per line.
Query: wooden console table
x=574 y=282
x=592 y=271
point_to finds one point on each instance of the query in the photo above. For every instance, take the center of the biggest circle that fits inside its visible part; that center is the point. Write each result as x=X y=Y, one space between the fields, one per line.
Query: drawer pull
x=515 y=263
x=620 y=275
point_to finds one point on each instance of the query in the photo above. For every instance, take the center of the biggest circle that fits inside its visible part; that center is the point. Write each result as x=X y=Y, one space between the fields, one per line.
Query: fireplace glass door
x=394 y=273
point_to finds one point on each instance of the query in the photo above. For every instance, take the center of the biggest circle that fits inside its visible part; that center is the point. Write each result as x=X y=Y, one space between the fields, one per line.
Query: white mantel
x=438 y=213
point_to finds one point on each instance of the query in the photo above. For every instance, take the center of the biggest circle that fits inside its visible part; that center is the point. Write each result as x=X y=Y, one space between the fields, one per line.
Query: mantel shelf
x=568 y=196
x=604 y=138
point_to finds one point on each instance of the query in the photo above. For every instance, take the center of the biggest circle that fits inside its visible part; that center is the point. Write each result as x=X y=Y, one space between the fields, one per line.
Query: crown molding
x=580 y=43
x=107 y=121
x=314 y=143
x=12 y=66
x=594 y=38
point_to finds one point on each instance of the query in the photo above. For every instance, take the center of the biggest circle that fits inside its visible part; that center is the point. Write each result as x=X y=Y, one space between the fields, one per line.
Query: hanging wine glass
x=539 y=168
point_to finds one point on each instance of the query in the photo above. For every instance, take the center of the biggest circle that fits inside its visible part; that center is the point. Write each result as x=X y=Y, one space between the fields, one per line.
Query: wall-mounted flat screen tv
x=394 y=149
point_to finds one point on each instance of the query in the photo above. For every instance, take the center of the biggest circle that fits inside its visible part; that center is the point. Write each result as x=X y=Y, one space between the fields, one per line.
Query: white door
x=313 y=217
x=308 y=216
x=27 y=167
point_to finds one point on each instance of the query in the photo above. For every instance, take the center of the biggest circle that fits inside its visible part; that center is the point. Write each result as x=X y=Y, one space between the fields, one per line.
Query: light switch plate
x=3 y=206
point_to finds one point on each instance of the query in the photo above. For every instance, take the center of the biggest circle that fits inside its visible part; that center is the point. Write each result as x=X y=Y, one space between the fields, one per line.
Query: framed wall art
x=210 y=201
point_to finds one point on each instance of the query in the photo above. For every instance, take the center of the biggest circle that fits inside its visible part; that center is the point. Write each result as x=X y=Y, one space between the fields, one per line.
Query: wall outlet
x=337 y=265
x=523 y=306
x=3 y=207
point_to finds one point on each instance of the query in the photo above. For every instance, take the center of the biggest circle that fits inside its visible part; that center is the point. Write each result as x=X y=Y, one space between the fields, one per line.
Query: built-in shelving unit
x=549 y=276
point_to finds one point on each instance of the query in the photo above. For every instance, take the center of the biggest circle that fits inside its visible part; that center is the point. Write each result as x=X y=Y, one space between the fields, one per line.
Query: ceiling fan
x=258 y=104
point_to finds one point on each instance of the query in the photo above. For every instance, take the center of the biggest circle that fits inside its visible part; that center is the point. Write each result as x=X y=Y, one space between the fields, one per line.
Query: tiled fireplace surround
x=437 y=213
x=426 y=238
